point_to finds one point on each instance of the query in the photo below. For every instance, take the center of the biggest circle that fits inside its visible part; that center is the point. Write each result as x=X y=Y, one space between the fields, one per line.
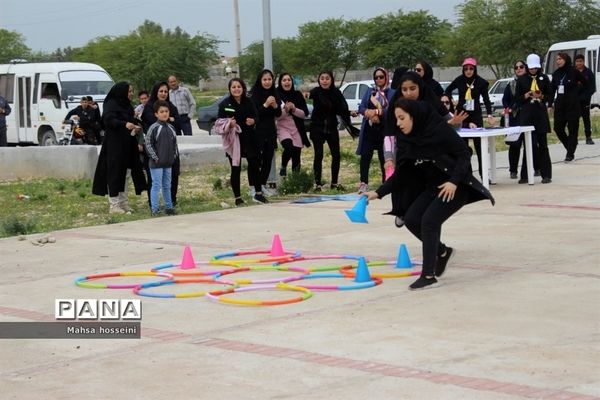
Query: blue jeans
x=161 y=179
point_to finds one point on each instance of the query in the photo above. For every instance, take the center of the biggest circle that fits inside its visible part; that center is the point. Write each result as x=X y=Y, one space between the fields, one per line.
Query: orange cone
x=276 y=247
x=187 y=262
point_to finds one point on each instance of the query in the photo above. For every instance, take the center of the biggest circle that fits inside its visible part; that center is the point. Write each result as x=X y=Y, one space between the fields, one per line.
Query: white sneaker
x=116 y=209
x=363 y=188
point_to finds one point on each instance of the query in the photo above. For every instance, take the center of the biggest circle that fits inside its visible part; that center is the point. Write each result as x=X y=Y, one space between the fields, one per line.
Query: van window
x=50 y=91
x=350 y=92
x=551 y=67
x=85 y=83
x=7 y=87
x=500 y=87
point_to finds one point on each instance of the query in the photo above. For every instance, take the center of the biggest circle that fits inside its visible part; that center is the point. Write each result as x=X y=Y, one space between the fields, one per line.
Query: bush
x=13 y=226
x=296 y=182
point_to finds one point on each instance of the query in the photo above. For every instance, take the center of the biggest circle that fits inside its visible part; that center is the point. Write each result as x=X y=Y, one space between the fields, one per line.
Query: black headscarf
x=424 y=139
x=425 y=94
x=148 y=117
x=398 y=72
x=117 y=99
x=259 y=93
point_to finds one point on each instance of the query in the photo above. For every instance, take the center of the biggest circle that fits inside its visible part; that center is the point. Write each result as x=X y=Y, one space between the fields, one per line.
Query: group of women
x=411 y=123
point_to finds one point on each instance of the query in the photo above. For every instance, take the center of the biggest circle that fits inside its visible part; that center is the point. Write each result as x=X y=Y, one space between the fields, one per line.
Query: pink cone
x=276 y=247
x=187 y=262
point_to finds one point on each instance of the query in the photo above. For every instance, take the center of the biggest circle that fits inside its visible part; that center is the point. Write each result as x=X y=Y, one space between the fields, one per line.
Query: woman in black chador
x=119 y=150
x=432 y=164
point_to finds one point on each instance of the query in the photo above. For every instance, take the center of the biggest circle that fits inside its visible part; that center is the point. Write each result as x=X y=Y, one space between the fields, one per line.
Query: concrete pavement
x=517 y=316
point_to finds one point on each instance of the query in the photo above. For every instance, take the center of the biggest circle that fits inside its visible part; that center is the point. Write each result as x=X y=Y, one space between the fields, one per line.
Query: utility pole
x=238 y=36
x=267 y=44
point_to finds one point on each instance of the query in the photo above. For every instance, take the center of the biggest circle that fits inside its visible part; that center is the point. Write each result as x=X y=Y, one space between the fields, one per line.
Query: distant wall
x=76 y=162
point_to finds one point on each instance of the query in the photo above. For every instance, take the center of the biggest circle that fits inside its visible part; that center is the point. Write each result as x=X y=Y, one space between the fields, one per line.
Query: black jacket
x=479 y=88
x=433 y=140
x=533 y=112
x=567 y=104
x=241 y=111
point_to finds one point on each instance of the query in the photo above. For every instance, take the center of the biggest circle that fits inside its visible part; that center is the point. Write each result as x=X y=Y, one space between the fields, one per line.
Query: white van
x=590 y=48
x=41 y=95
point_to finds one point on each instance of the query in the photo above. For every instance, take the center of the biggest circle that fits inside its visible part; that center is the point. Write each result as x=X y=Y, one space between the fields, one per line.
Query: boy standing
x=161 y=146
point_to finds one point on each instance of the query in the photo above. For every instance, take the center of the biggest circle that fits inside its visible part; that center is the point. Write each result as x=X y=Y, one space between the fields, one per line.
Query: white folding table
x=488 y=149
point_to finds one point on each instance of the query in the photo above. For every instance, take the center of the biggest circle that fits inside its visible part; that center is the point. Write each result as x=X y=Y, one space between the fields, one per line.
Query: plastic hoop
x=359 y=285
x=218 y=295
x=84 y=281
x=141 y=289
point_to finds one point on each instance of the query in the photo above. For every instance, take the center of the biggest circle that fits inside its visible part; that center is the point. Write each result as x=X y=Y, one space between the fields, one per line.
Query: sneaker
x=569 y=159
x=513 y=175
x=423 y=283
x=546 y=180
x=239 y=201
x=116 y=209
x=537 y=173
x=155 y=213
x=252 y=192
x=442 y=261
x=363 y=188
x=336 y=186
x=170 y=211
x=125 y=206
x=399 y=222
x=522 y=181
x=272 y=185
x=589 y=141
x=260 y=198
x=283 y=172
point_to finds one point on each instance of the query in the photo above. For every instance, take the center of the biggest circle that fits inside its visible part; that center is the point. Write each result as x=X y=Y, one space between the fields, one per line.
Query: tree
x=149 y=54
x=399 y=39
x=327 y=45
x=498 y=32
x=251 y=60
x=12 y=46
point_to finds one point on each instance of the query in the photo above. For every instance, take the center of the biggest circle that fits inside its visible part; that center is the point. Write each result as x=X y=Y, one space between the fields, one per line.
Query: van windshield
x=85 y=83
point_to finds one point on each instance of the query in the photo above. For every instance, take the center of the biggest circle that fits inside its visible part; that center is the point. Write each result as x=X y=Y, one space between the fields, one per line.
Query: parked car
x=353 y=93
x=207 y=115
x=496 y=92
x=444 y=85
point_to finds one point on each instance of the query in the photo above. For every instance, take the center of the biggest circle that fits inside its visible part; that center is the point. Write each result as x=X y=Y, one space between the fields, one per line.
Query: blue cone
x=358 y=213
x=362 y=272
x=403 y=260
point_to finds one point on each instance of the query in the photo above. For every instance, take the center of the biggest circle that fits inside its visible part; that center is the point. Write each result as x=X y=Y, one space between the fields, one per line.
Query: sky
x=48 y=25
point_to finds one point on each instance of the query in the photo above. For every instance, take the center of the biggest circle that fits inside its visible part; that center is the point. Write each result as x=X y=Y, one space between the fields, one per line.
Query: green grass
x=54 y=204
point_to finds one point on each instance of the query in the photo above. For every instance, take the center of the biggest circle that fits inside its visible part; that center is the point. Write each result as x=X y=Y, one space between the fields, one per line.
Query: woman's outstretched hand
x=447 y=191
x=371 y=195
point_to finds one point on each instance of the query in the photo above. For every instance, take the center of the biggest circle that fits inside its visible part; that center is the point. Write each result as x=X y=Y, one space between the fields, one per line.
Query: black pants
x=175 y=170
x=333 y=141
x=541 y=156
x=585 y=115
x=369 y=145
x=477 y=144
x=3 y=137
x=266 y=158
x=253 y=175
x=290 y=152
x=568 y=141
x=424 y=219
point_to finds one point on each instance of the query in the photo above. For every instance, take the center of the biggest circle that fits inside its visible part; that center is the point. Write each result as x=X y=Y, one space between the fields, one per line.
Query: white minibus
x=41 y=95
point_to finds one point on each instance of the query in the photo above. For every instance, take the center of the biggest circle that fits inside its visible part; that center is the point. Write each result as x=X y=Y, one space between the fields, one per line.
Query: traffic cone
x=358 y=213
x=276 y=247
x=187 y=262
x=403 y=260
x=362 y=271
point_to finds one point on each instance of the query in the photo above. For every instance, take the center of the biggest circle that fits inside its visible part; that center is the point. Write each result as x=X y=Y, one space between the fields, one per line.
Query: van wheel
x=48 y=138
